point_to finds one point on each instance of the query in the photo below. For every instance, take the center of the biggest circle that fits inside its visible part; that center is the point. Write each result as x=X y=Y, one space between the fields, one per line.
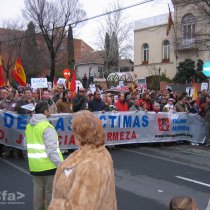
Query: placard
x=39 y=83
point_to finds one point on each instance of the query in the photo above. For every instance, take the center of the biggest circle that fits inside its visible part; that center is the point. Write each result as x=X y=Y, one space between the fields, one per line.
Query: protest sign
x=39 y=83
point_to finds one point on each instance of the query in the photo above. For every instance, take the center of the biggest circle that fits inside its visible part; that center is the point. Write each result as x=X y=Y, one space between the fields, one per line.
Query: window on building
x=101 y=71
x=166 y=50
x=188 y=29
x=145 y=53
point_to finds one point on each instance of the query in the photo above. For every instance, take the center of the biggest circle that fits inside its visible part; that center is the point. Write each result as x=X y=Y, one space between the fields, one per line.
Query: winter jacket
x=64 y=107
x=135 y=108
x=96 y=105
x=52 y=106
x=121 y=106
x=180 y=107
x=8 y=104
x=85 y=181
x=79 y=103
x=207 y=112
x=168 y=108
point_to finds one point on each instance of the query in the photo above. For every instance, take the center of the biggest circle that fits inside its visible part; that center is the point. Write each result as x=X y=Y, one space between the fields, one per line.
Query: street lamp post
x=159 y=76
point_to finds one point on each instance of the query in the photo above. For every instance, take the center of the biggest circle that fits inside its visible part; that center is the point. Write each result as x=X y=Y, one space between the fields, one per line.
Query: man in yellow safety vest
x=44 y=155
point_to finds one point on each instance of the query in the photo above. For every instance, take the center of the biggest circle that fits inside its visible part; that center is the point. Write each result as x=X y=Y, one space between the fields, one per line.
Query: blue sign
x=206 y=69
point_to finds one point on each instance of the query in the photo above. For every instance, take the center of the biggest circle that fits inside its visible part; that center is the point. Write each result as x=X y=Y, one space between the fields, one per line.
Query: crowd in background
x=61 y=100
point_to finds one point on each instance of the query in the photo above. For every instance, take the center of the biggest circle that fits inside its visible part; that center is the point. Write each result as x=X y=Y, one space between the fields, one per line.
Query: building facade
x=156 y=53
x=153 y=49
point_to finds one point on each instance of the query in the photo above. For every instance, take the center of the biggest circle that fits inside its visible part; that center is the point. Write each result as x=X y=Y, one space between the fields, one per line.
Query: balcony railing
x=187 y=44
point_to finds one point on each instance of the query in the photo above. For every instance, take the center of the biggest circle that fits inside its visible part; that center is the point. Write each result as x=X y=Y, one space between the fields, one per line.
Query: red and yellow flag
x=19 y=73
x=1 y=74
x=170 y=22
x=73 y=83
x=195 y=92
x=132 y=87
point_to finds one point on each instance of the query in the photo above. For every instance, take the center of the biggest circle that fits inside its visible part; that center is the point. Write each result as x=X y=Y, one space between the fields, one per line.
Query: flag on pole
x=19 y=73
x=132 y=87
x=68 y=84
x=195 y=92
x=1 y=74
x=73 y=83
x=55 y=82
x=170 y=21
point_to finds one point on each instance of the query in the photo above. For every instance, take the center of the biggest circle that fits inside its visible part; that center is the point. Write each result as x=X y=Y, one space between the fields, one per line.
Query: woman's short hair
x=156 y=104
x=181 y=202
x=87 y=129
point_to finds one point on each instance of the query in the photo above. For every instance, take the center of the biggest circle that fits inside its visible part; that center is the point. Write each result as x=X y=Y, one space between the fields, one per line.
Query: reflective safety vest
x=37 y=156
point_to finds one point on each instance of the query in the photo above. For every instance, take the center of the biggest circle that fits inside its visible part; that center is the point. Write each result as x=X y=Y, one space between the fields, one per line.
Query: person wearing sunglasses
x=80 y=102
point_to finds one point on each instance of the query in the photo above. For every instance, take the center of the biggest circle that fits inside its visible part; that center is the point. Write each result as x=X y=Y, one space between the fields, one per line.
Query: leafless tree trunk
x=115 y=24
x=52 y=19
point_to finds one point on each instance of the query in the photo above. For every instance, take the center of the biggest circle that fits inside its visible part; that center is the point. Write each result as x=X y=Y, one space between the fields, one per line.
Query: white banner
x=39 y=83
x=120 y=128
x=204 y=86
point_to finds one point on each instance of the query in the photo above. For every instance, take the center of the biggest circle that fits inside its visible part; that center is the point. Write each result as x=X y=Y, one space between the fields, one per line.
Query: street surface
x=146 y=177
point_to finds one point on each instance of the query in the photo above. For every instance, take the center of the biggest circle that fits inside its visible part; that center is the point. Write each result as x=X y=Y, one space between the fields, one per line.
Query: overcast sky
x=11 y=9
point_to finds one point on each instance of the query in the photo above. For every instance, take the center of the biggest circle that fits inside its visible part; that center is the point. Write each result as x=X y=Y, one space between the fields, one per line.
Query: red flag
x=55 y=82
x=73 y=83
x=19 y=73
x=1 y=74
x=170 y=22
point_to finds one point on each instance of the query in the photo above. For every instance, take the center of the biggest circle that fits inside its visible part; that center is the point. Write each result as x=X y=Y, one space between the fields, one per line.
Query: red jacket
x=122 y=107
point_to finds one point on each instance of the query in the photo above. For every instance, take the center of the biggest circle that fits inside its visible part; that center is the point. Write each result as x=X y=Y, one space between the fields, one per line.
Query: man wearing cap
x=169 y=107
x=44 y=155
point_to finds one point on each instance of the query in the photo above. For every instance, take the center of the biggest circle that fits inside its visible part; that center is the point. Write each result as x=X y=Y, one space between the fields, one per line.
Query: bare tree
x=115 y=29
x=52 y=18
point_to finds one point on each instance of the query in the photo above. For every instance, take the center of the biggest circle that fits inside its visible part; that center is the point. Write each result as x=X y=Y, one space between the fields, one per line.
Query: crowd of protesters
x=61 y=100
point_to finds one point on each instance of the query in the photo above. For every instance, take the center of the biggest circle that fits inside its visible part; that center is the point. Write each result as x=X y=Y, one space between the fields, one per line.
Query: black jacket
x=96 y=105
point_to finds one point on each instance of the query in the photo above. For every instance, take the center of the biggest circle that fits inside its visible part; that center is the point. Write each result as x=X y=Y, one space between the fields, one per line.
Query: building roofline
x=152 y=21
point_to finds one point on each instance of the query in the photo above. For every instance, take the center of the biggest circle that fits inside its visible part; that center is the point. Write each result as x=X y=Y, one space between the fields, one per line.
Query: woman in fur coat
x=85 y=180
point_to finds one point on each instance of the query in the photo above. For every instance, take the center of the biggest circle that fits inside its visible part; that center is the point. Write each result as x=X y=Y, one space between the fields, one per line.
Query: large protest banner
x=120 y=128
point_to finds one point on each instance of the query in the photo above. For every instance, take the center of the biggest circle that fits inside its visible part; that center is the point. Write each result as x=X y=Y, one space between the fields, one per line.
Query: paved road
x=154 y=175
x=146 y=178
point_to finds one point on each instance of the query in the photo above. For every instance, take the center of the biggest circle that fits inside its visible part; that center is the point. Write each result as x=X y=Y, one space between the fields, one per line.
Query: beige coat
x=85 y=181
